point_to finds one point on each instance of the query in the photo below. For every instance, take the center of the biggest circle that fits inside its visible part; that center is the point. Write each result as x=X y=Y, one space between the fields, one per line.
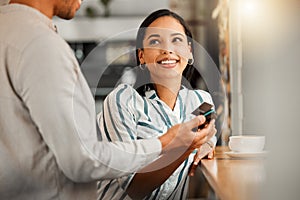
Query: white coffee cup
x=246 y=143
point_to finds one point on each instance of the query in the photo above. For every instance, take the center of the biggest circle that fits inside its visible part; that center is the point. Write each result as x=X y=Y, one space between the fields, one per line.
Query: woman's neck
x=168 y=92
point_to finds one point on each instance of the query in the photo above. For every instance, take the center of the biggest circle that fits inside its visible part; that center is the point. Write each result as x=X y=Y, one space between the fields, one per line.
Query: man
x=48 y=137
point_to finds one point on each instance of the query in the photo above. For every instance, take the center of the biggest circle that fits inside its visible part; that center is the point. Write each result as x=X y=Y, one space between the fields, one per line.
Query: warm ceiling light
x=249 y=7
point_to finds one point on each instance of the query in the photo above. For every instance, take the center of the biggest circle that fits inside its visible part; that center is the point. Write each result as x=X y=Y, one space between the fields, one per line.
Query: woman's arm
x=152 y=176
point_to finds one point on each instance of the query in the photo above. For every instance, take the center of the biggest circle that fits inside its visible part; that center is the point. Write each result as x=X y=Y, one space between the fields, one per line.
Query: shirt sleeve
x=117 y=120
x=61 y=106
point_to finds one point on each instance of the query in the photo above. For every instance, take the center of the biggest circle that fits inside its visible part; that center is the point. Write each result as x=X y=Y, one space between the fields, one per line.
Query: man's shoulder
x=24 y=26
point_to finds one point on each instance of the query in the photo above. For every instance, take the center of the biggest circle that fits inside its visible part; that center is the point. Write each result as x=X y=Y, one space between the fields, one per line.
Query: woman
x=164 y=53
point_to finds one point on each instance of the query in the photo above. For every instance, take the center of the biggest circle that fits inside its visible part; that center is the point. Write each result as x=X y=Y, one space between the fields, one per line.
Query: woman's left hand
x=207 y=149
x=197 y=159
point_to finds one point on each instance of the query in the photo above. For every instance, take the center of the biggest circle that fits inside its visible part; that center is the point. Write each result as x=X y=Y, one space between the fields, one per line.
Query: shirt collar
x=150 y=93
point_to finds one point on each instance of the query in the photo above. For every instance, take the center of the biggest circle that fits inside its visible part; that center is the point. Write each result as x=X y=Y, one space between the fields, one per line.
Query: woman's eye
x=177 y=39
x=153 y=42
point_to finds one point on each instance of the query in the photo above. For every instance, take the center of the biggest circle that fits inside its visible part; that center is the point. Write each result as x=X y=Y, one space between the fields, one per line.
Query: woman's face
x=165 y=48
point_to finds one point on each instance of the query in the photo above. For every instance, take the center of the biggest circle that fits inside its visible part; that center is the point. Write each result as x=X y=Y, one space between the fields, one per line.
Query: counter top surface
x=234 y=178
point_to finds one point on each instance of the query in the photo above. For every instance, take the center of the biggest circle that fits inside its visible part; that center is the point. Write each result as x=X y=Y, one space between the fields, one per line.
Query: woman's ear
x=141 y=56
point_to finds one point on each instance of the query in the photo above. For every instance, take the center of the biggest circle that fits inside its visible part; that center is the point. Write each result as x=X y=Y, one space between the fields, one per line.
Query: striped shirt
x=127 y=116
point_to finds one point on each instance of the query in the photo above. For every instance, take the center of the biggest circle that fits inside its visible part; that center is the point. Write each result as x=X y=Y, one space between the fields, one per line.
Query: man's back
x=29 y=169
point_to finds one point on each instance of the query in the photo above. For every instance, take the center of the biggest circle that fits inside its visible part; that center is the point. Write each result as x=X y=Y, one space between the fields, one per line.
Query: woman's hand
x=207 y=149
x=182 y=137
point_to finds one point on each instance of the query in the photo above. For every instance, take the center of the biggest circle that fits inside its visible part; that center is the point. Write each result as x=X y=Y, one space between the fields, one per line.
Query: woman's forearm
x=154 y=175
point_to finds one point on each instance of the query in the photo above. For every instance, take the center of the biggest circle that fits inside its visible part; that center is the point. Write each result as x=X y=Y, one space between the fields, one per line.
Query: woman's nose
x=167 y=49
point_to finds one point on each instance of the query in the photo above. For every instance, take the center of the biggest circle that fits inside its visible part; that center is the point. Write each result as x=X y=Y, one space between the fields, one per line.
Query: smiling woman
x=170 y=36
x=165 y=52
x=165 y=48
x=156 y=101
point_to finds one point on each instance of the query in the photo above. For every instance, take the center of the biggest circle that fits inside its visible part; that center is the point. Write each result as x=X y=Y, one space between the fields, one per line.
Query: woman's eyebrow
x=153 y=35
x=175 y=34
x=157 y=35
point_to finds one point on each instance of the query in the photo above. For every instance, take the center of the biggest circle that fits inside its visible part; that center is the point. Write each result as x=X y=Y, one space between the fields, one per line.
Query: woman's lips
x=168 y=63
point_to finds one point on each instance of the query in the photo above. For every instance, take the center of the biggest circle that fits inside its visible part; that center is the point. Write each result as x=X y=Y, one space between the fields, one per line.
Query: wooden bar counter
x=233 y=178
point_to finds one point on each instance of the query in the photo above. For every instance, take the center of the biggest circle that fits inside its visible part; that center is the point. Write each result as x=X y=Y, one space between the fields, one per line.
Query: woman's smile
x=168 y=63
x=166 y=49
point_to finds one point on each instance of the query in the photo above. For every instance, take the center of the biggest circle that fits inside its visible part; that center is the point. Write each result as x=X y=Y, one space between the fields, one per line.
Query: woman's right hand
x=181 y=137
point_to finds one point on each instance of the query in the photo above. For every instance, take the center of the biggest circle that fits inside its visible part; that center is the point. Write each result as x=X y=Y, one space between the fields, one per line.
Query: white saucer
x=234 y=154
